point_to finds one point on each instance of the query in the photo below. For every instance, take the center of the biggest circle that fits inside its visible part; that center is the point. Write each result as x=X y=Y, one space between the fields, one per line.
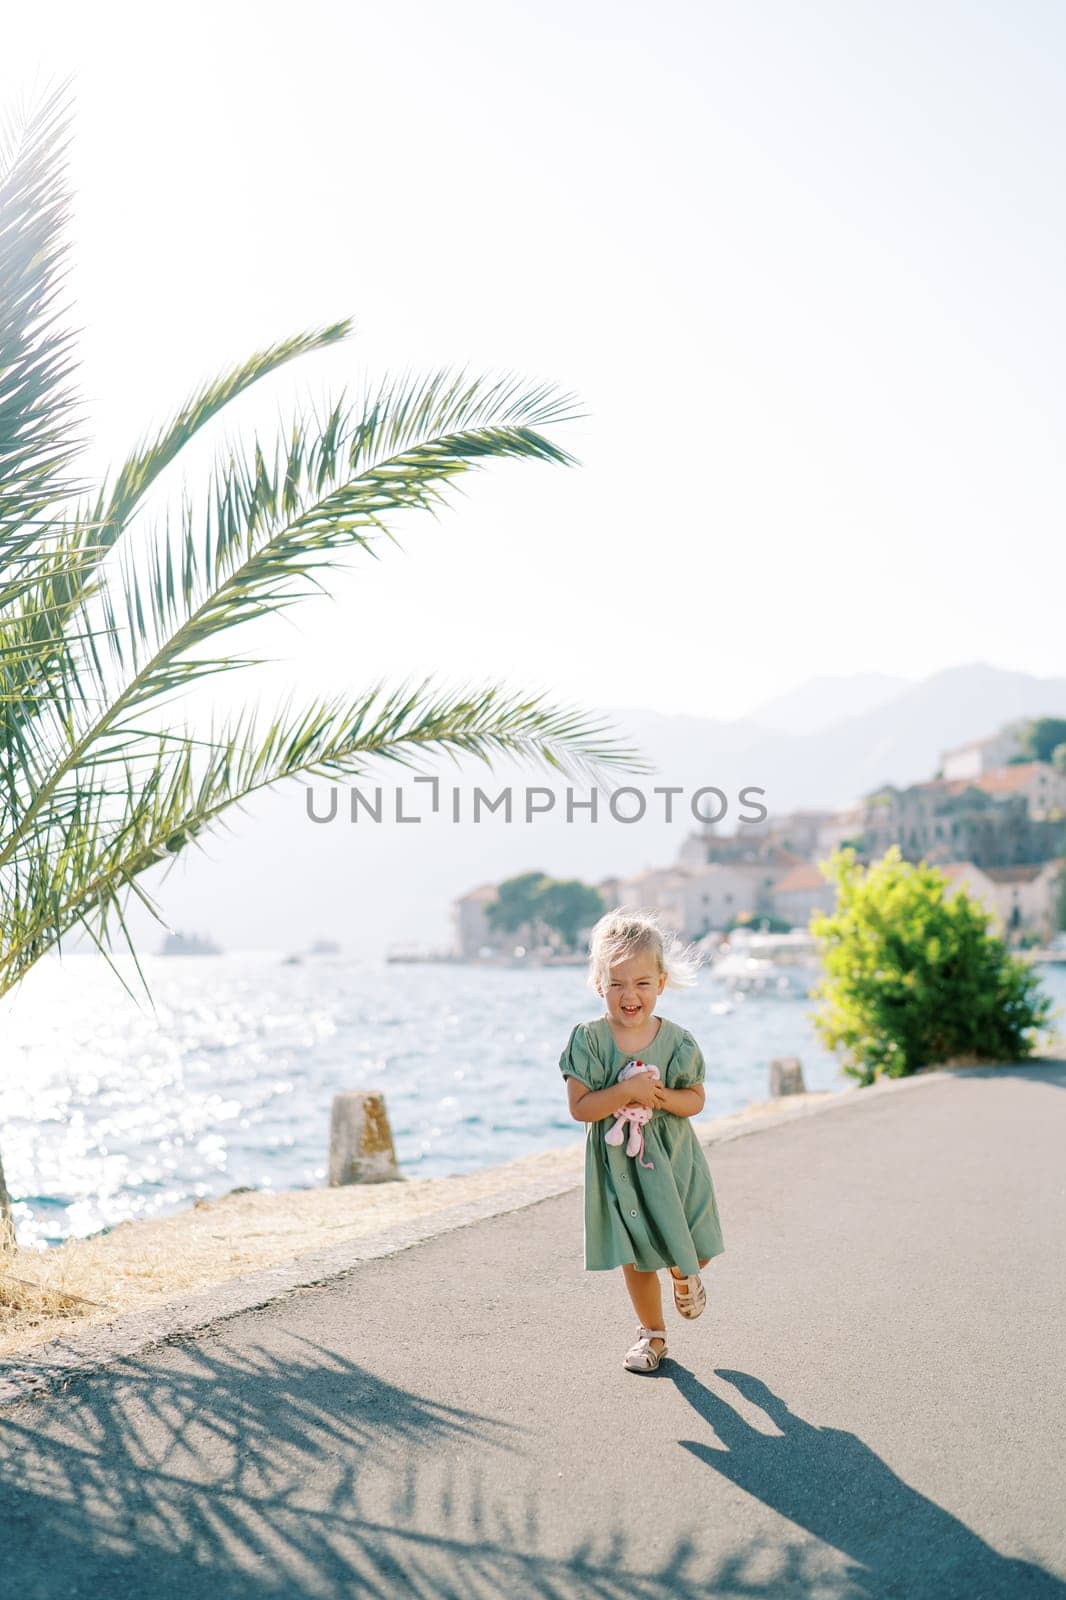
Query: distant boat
x=292 y=961
x=324 y=947
x=188 y=944
x=767 y=963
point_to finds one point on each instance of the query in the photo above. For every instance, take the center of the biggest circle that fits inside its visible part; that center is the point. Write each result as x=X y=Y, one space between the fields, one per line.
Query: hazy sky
x=803 y=264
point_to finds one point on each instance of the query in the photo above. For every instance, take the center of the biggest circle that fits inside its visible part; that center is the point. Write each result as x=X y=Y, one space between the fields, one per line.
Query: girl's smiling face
x=632 y=989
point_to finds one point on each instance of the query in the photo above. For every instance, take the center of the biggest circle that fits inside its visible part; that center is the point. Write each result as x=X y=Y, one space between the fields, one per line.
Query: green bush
x=912 y=976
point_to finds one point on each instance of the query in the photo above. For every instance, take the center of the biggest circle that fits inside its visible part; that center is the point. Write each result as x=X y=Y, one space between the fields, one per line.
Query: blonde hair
x=621 y=934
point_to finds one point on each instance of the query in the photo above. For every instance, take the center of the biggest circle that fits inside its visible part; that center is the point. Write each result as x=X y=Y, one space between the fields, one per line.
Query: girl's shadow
x=827 y=1481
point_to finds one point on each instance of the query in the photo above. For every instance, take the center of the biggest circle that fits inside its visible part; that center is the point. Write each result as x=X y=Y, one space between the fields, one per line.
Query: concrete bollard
x=786 y=1076
x=360 y=1140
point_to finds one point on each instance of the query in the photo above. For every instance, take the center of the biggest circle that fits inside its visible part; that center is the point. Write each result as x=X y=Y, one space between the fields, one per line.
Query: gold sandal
x=690 y=1297
x=641 y=1357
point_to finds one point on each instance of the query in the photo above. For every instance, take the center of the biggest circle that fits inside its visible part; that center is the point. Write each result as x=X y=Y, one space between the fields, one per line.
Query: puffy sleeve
x=579 y=1059
x=687 y=1066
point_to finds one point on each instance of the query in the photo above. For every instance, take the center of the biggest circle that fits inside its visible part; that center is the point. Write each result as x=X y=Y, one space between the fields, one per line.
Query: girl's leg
x=647 y=1298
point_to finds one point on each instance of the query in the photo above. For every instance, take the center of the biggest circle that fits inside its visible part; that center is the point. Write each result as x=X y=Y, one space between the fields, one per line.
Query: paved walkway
x=871 y=1406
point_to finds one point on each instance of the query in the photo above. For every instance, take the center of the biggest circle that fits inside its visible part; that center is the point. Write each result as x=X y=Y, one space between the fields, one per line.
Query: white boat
x=741 y=969
x=767 y=963
x=188 y=944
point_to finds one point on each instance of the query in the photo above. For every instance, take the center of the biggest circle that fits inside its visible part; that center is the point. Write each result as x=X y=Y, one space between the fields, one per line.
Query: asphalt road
x=872 y=1405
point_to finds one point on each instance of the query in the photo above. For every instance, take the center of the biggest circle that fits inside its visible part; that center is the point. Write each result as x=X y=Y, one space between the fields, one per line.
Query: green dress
x=665 y=1216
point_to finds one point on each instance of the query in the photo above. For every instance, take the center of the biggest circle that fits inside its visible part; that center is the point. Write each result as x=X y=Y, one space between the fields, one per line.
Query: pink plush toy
x=635 y=1115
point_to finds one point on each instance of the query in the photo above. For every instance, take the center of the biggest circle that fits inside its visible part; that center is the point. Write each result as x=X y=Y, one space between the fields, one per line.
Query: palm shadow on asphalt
x=238 y=1474
x=245 y=1474
x=826 y=1481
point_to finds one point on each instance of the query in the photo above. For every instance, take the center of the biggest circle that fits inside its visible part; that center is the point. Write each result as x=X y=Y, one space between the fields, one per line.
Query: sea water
x=115 y=1107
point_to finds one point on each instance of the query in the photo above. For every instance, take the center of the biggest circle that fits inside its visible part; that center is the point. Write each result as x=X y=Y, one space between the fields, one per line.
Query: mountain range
x=820 y=702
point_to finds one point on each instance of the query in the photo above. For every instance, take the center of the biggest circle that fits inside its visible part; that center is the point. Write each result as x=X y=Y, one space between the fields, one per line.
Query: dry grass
x=142 y=1264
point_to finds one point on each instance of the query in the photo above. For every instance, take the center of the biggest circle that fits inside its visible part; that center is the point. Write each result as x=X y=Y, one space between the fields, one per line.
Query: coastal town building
x=802 y=893
x=1026 y=897
x=1020 y=899
x=983 y=755
x=944 y=820
x=800 y=832
x=660 y=889
x=1042 y=785
x=721 y=891
x=694 y=899
x=473 y=933
x=843 y=828
x=751 y=843
x=968 y=877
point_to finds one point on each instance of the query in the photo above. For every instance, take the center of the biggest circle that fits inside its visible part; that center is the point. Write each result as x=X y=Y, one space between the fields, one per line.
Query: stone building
x=1043 y=786
x=801 y=893
x=1026 y=896
x=717 y=893
x=949 y=820
x=659 y=889
x=782 y=838
x=694 y=900
x=474 y=933
x=1022 y=899
x=843 y=827
x=801 y=832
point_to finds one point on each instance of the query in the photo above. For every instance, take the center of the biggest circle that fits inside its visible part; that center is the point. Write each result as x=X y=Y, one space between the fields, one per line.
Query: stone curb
x=61 y=1359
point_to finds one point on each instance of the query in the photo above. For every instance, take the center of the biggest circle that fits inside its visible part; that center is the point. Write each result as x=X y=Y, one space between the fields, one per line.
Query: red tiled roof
x=804 y=876
x=1003 y=780
x=999 y=780
x=951 y=785
x=1024 y=874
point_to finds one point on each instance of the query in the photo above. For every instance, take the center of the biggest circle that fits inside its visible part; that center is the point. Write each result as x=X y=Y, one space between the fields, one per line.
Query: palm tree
x=108 y=614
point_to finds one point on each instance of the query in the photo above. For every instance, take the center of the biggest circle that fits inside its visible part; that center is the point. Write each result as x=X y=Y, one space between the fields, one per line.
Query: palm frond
x=182 y=789
x=275 y=516
x=55 y=577
x=271 y=521
x=37 y=402
x=117 y=502
x=58 y=577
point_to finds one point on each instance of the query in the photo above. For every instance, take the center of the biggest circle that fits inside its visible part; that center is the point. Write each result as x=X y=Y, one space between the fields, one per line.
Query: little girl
x=642 y=1218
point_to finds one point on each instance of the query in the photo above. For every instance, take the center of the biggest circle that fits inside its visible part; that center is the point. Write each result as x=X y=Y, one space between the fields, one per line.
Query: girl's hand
x=642 y=1089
